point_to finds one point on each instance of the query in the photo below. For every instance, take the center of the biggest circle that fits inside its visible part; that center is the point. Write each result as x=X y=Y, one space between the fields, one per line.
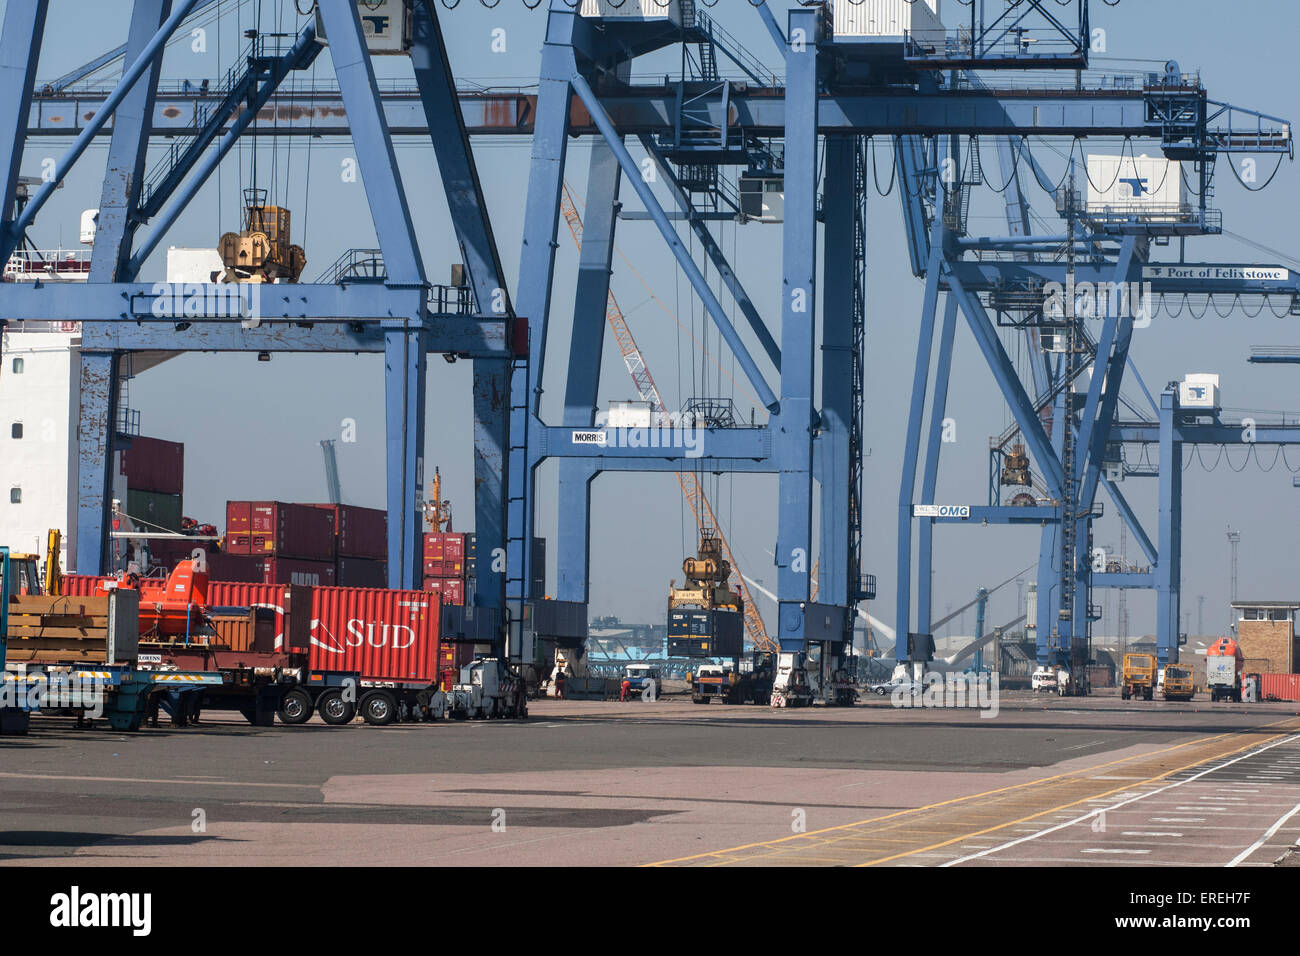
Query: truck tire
x=1124 y=694
x=296 y=708
x=1150 y=694
x=378 y=709
x=333 y=709
x=700 y=700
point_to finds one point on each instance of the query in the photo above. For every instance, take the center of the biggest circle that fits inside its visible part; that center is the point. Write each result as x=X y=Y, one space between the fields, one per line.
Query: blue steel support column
x=404 y=341
x=1049 y=553
x=127 y=152
x=586 y=347
x=1169 y=569
x=492 y=378
x=912 y=443
x=95 y=425
x=404 y=393
x=374 y=145
x=792 y=441
x=930 y=475
x=20 y=51
x=492 y=382
x=1094 y=428
x=536 y=279
x=832 y=458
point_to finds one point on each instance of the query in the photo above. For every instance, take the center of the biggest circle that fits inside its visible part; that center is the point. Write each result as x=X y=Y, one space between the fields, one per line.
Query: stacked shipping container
x=445 y=568
x=322 y=545
x=154 y=472
x=360 y=545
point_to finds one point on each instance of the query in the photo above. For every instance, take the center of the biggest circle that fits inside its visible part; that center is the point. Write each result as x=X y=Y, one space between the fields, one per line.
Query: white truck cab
x=1044 y=678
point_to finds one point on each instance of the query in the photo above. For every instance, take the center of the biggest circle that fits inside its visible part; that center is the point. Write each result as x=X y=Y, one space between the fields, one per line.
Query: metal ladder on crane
x=692 y=488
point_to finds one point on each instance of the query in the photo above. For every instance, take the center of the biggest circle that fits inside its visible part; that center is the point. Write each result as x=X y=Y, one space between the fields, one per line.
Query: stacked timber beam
x=63 y=628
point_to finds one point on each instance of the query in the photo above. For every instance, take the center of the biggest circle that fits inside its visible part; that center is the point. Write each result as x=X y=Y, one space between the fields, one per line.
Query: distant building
x=1266 y=633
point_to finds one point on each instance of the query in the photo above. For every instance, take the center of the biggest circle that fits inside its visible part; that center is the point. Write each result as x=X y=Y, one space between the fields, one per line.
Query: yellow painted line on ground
x=1075 y=803
x=955 y=800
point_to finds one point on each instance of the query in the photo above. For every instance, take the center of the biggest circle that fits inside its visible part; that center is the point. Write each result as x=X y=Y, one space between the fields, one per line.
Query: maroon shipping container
x=451 y=658
x=297 y=571
x=451 y=589
x=362 y=573
x=1279 y=687
x=274 y=528
x=359 y=532
x=383 y=635
x=443 y=568
x=444 y=546
x=234 y=567
x=239 y=527
x=151 y=464
x=170 y=551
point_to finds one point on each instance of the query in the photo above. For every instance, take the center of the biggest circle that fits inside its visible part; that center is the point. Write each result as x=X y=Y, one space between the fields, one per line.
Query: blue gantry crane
x=392 y=310
x=930 y=91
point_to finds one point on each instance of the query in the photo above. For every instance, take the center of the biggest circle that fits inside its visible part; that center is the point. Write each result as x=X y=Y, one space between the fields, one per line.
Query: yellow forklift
x=32 y=574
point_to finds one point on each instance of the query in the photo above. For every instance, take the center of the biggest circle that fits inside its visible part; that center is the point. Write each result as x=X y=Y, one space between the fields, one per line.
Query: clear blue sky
x=251 y=429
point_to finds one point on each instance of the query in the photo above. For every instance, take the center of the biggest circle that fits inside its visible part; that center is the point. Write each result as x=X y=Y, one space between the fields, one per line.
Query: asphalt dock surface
x=1073 y=782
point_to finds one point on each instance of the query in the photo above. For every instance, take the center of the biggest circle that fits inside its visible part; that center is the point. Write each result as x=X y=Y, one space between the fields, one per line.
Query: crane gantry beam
x=692 y=488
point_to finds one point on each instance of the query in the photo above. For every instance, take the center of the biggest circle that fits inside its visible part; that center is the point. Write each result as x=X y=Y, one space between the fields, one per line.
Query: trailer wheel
x=378 y=708
x=1124 y=693
x=334 y=709
x=296 y=707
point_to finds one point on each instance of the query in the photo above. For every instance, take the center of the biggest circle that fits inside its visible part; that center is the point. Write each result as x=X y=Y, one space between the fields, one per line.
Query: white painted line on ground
x=1265 y=838
x=1150 y=833
x=1126 y=852
x=1178 y=819
x=1061 y=826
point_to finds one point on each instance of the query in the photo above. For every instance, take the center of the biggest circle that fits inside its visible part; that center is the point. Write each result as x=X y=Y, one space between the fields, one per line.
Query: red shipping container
x=384 y=635
x=444 y=546
x=359 y=532
x=81 y=585
x=277 y=529
x=296 y=571
x=1279 y=687
x=362 y=573
x=451 y=589
x=151 y=464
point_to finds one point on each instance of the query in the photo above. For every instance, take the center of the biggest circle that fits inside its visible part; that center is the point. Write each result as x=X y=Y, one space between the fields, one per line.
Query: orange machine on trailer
x=176 y=607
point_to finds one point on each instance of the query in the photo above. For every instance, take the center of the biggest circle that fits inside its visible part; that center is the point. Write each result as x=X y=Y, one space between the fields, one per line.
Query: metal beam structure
x=835 y=90
x=397 y=314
